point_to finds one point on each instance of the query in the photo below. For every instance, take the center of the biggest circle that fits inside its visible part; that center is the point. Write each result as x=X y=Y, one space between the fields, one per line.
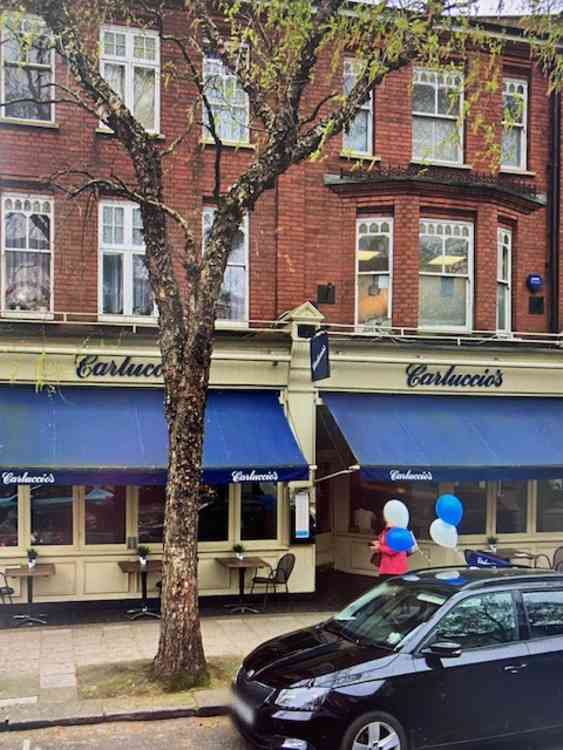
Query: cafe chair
x=6 y=592
x=555 y=564
x=277 y=577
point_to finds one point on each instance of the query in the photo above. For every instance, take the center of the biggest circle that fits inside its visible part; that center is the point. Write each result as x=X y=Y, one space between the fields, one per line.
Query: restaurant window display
x=105 y=511
x=259 y=511
x=550 y=505
x=473 y=495
x=51 y=515
x=9 y=516
x=511 y=507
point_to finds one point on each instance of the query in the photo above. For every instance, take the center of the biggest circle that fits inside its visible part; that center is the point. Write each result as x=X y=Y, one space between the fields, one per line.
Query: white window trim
x=225 y=322
x=10 y=118
x=127 y=250
x=435 y=116
x=206 y=135
x=523 y=166
x=507 y=283
x=469 y=276
x=130 y=61
x=359 y=220
x=368 y=107
x=31 y=314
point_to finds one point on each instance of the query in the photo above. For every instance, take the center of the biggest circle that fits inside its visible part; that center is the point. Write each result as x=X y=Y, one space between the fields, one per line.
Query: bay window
x=437 y=107
x=374 y=249
x=27 y=242
x=124 y=280
x=28 y=70
x=358 y=138
x=228 y=101
x=446 y=275
x=504 y=279
x=130 y=63
x=233 y=299
x=514 y=123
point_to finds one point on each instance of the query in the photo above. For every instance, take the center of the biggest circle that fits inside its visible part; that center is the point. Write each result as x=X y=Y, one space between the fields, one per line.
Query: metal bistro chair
x=555 y=564
x=277 y=577
x=6 y=592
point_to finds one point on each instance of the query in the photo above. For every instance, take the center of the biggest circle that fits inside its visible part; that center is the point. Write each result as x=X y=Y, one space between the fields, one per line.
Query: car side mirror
x=443 y=650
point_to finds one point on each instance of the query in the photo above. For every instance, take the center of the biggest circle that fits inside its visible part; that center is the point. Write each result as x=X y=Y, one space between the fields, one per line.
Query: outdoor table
x=134 y=567
x=41 y=570
x=234 y=563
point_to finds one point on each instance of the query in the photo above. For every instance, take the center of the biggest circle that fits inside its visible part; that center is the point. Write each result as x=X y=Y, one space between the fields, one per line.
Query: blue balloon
x=449 y=509
x=400 y=540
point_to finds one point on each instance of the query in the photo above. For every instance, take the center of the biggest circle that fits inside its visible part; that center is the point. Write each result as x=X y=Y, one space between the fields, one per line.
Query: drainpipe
x=554 y=209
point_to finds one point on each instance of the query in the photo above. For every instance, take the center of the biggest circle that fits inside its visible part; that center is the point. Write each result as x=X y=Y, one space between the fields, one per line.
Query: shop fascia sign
x=26 y=477
x=421 y=375
x=95 y=366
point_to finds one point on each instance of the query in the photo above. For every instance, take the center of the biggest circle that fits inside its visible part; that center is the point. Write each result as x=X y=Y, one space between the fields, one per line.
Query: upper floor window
x=130 y=63
x=228 y=101
x=504 y=276
x=28 y=70
x=233 y=300
x=437 y=128
x=124 y=279
x=446 y=275
x=514 y=122
x=358 y=138
x=374 y=249
x=27 y=242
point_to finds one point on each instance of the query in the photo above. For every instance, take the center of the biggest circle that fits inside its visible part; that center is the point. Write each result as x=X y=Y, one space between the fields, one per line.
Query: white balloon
x=444 y=534
x=396 y=514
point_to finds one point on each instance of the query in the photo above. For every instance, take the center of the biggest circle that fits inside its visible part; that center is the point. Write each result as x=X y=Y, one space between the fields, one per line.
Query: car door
x=544 y=613
x=482 y=693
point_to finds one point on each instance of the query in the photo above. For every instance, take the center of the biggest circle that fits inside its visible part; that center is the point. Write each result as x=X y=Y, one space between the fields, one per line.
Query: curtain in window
x=143 y=303
x=28 y=281
x=113 y=284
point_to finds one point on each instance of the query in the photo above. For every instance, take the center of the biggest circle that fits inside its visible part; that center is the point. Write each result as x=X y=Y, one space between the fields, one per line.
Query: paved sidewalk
x=38 y=684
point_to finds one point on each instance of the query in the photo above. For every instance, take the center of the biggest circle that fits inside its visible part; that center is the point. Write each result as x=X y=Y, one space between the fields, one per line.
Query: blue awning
x=451 y=438
x=80 y=435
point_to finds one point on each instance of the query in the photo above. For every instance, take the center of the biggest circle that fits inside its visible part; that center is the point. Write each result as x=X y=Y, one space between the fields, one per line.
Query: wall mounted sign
x=320 y=356
x=24 y=477
x=94 y=366
x=254 y=476
x=302 y=528
x=451 y=377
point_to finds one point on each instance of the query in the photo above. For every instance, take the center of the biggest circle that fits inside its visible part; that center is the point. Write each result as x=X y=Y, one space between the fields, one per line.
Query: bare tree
x=274 y=49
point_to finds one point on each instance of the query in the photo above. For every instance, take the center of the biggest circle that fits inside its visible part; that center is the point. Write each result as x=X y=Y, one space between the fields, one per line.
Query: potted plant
x=492 y=542
x=31 y=557
x=142 y=553
x=239 y=551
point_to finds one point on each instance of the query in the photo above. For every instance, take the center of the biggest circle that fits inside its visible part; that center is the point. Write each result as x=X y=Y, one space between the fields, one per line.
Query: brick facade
x=303 y=232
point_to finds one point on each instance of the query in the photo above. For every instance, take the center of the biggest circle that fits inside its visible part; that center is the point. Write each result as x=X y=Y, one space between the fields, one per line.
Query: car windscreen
x=389 y=613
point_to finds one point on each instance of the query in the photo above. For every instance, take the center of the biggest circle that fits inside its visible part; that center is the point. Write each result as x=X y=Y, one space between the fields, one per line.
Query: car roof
x=465 y=577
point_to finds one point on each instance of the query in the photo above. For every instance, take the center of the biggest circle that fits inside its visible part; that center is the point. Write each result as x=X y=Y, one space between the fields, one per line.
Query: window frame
x=437 y=116
x=470 y=277
x=225 y=73
x=508 y=81
x=35 y=66
x=27 y=314
x=130 y=62
x=501 y=282
x=245 y=226
x=358 y=273
x=534 y=590
x=367 y=106
x=127 y=250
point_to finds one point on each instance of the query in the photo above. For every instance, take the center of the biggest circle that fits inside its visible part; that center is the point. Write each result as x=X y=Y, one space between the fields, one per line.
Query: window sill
x=517 y=172
x=229 y=144
x=231 y=325
x=445 y=164
x=352 y=156
x=29 y=123
x=128 y=320
x=26 y=315
x=110 y=134
x=446 y=330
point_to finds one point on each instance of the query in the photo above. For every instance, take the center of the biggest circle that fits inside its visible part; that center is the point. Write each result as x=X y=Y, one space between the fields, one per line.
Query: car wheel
x=375 y=731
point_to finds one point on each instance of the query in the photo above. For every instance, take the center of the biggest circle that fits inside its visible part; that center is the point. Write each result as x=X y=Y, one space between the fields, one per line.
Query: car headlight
x=301 y=699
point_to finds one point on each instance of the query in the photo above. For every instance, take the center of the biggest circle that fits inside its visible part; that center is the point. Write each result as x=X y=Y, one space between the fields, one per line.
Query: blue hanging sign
x=320 y=356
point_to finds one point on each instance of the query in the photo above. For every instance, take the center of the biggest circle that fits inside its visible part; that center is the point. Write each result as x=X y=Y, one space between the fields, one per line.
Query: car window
x=545 y=612
x=484 y=620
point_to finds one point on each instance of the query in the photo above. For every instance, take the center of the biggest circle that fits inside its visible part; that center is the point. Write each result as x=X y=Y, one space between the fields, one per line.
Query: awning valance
x=86 y=435
x=451 y=438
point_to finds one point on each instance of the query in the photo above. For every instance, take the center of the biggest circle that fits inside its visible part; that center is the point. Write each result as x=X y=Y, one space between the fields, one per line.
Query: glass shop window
x=152 y=501
x=51 y=515
x=473 y=495
x=214 y=513
x=259 y=510
x=105 y=514
x=512 y=507
x=550 y=505
x=9 y=516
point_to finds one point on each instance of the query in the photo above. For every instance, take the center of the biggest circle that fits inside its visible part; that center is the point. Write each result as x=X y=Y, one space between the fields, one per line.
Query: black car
x=433 y=658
